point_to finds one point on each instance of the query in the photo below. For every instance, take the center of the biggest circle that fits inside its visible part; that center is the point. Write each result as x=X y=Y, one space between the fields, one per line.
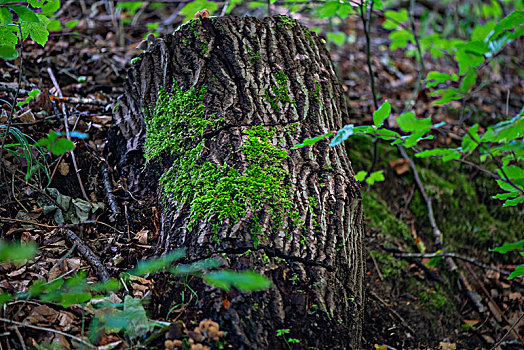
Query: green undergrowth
x=380 y=218
x=462 y=204
x=388 y=265
x=216 y=192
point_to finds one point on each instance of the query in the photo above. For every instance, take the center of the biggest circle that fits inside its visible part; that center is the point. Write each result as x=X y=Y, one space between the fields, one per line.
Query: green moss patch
x=280 y=92
x=216 y=192
x=376 y=211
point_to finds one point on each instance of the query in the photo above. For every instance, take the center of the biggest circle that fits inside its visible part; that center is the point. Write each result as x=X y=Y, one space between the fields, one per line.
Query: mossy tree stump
x=213 y=111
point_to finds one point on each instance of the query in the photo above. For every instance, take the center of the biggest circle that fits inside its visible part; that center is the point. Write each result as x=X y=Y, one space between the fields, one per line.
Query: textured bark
x=317 y=267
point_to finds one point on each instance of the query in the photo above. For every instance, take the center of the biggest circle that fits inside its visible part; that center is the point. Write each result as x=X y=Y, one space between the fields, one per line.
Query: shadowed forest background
x=434 y=133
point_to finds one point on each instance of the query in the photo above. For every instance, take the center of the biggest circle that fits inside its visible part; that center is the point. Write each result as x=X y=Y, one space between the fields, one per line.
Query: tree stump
x=216 y=108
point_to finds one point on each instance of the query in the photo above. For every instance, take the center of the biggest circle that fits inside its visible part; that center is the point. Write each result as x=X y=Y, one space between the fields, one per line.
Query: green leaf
x=70 y=298
x=504 y=196
x=310 y=142
x=415 y=137
x=474 y=46
x=328 y=9
x=468 y=81
x=513 y=202
x=470 y=54
x=519 y=271
x=131 y=6
x=507 y=247
x=393 y=18
x=409 y=122
x=110 y=285
x=4 y=298
x=375 y=176
x=8 y=35
x=508 y=187
x=6 y=17
x=481 y=32
x=512 y=171
x=8 y=52
x=381 y=114
x=38 y=32
x=32 y=94
x=36 y=3
x=386 y=134
x=400 y=38
x=15 y=252
x=342 y=135
x=62 y=146
x=338 y=38
x=157 y=264
x=469 y=144
x=71 y=24
x=24 y=14
x=511 y=21
x=436 y=78
x=54 y=25
x=138 y=323
x=195 y=268
x=360 y=175
x=193 y=7
x=505 y=131
x=345 y=9
x=447 y=95
x=447 y=154
x=50 y=7
x=246 y=281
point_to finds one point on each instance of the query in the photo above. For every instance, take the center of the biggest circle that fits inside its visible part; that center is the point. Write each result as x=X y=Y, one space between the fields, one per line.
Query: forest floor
x=409 y=305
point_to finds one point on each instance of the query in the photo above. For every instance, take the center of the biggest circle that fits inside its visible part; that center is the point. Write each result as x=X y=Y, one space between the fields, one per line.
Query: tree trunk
x=246 y=91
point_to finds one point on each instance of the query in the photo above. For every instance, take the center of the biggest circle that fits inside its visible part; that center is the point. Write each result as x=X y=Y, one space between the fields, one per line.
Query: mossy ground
x=469 y=219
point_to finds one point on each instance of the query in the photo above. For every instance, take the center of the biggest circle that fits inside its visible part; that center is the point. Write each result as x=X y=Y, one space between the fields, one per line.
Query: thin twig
x=365 y=23
x=20 y=324
x=109 y=190
x=376 y=267
x=45 y=194
x=422 y=71
x=393 y=312
x=224 y=9
x=20 y=338
x=88 y=222
x=444 y=254
x=27 y=222
x=13 y=105
x=66 y=124
x=88 y=254
x=494 y=307
x=508 y=332
x=436 y=232
x=61 y=260
x=472 y=295
x=69 y=100
x=373 y=159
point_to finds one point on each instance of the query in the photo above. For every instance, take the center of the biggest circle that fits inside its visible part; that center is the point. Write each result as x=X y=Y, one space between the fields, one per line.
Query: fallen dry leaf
x=400 y=165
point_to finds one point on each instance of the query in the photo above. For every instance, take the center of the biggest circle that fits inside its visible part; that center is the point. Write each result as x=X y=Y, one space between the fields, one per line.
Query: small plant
x=282 y=333
x=26 y=22
x=129 y=317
